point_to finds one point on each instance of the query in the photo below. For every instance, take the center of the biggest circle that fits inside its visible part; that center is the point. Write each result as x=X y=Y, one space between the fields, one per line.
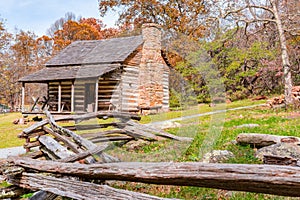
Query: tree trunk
x=269 y=179
x=284 y=55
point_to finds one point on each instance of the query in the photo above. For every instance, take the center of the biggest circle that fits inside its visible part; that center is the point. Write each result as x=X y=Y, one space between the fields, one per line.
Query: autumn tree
x=58 y=24
x=251 y=14
x=5 y=39
x=24 y=53
x=68 y=29
x=185 y=17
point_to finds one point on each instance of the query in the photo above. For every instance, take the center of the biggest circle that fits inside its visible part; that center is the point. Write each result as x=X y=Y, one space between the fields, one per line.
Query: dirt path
x=204 y=114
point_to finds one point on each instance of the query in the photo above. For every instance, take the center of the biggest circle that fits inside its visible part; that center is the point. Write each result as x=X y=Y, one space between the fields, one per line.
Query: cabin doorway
x=89 y=102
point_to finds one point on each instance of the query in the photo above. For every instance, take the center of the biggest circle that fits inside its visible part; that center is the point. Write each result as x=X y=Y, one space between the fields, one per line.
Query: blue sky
x=39 y=15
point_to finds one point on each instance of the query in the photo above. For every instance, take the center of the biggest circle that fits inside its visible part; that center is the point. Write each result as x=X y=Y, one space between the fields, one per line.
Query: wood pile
x=279 y=101
x=276 y=101
x=296 y=95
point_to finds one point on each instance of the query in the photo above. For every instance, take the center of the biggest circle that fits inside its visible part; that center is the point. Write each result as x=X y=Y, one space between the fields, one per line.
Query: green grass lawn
x=10 y=131
x=210 y=132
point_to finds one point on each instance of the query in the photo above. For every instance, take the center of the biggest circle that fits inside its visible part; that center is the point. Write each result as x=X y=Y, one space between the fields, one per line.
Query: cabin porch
x=70 y=96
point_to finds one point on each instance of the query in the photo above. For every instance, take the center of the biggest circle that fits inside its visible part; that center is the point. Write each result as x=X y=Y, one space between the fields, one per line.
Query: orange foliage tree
x=23 y=54
x=185 y=17
x=84 y=29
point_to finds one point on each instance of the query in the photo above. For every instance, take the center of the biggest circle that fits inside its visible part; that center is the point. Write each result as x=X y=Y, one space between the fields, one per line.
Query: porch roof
x=69 y=73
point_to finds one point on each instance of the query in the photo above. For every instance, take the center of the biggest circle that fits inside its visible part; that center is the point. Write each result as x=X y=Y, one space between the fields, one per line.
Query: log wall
x=53 y=90
x=79 y=93
x=129 y=88
x=109 y=91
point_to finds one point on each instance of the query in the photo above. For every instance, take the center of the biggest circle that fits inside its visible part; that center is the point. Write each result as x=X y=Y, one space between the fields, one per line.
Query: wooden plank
x=34 y=133
x=66 y=82
x=83 y=155
x=48 y=154
x=78 y=139
x=75 y=189
x=75 y=148
x=102 y=133
x=95 y=126
x=157 y=131
x=139 y=134
x=35 y=154
x=55 y=148
x=99 y=114
x=111 y=86
x=111 y=139
x=269 y=179
x=104 y=96
x=35 y=126
x=53 y=83
x=30 y=145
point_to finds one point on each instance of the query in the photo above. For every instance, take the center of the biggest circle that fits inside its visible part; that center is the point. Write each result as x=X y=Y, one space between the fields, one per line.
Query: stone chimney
x=153 y=69
x=151 y=33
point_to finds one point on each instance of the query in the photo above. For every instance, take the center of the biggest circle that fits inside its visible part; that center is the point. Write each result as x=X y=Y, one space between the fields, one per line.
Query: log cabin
x=126 y=74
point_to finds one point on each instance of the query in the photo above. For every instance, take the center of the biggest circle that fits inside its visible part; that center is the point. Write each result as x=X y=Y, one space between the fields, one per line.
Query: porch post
x=96 y=94
x=59 y=97
x=23 y=97
x=72 y=96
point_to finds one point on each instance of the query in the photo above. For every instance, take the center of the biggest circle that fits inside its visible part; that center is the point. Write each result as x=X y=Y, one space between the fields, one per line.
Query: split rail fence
x=61 y=162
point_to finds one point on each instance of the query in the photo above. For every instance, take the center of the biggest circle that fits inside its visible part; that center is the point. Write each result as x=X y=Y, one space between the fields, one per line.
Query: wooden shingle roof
x=69 y=73
x=97 y=51
x=86 y=59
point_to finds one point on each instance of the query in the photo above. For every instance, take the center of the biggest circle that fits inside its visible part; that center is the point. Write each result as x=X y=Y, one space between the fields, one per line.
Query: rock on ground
x=283 y=149
x=247 y=126
x=13 y=151
x=217 y=156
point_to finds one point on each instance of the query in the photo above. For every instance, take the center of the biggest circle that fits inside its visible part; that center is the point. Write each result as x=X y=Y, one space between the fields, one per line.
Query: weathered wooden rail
x=124 y=129
x=269 y=179
x=78 y=168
